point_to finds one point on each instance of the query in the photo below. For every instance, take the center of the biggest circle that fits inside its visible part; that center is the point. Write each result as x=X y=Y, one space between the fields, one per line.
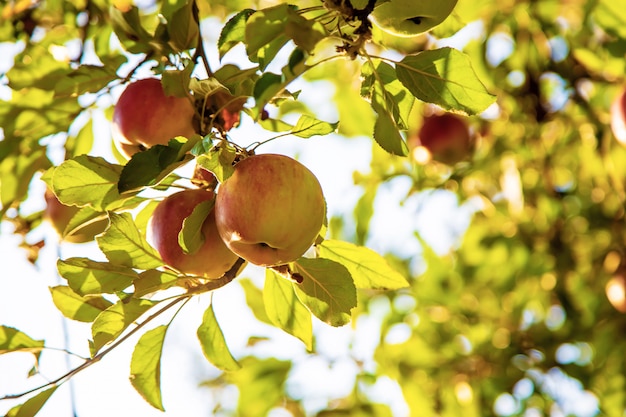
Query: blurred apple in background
x=445 y=137
x=60 y=215
x=144 y=116
x=271 y=210
x=212 y=259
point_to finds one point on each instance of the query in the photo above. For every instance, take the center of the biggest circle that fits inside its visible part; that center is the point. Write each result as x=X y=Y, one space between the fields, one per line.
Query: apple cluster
x=268 y=212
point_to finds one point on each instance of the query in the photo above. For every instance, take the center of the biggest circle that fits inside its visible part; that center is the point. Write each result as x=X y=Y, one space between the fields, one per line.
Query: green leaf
x=114 y=320
x=86 y=277
x=151 y=166
x=190 y=237
x=85 y=79
x=233 y=32
x=213 y=343
x=77 y=307
x=81 y=143
x=308 y=126
x=611 y=16
x=145 y=366
x=40 y=70
x=369 y=270
x=386 y=132
x=13 y=340
x=86 y=221
x=16 y=173
x=176 y=83
x=266 y=87
x=444 y=77
x=392 y=102
x=86 y=181
x=265 y=33
x=123 y=244
x=33 y=405
x=305 y=33
x=128 y=28
x=261 y=384
x=183 y=28
x=327 y=289
x=152 y=281
x=285 y=310
x=254 y=299
x=218 y=160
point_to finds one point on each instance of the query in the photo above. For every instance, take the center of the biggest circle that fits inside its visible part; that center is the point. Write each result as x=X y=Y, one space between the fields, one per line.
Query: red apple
x=203 y=178
x=271 y=210
x=144 y=116
x=212 y=259
x=446 y=136
x=618 y=117
x=60 y=215
x=226 y=108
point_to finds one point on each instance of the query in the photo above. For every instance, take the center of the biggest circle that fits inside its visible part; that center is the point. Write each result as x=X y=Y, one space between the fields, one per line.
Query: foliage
x=461 y=331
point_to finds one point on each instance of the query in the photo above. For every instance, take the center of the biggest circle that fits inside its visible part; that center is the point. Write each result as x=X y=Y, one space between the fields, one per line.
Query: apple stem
x=214 y=284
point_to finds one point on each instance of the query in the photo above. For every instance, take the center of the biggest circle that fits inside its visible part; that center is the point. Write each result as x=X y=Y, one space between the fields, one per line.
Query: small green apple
x=411 y=17
x=271 y=210
x=212 y=259
x=144 y=116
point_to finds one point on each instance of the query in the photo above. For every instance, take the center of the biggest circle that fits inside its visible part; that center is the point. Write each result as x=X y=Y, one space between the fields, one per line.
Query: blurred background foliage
x=524 y=313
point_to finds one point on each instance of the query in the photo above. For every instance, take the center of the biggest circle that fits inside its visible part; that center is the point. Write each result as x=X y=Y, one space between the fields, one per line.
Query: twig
x=99 y=356
x=200 y=52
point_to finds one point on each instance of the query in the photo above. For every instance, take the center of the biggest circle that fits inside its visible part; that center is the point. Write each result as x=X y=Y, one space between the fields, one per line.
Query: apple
x=618 y=117
x=212 y=259
x=271 y=210
x=60 y=215
x=203 y=178
x=144 y=116
x=408 y=18
x=226 y=108
x=446 y=136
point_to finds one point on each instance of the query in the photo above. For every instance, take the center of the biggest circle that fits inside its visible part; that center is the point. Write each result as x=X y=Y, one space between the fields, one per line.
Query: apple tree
x=127 y=120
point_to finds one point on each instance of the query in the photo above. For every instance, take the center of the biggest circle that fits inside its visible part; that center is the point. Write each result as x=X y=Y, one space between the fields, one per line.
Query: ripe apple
x=203 y=178
x=618 y=117
x=144 y=116
x=446 y=136
x=212 y=259
x=60 y=215
x=411 y=17
x=270 y=210
x=226 y=108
